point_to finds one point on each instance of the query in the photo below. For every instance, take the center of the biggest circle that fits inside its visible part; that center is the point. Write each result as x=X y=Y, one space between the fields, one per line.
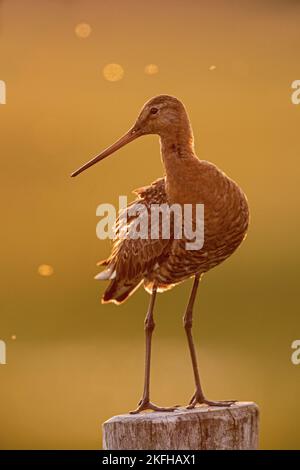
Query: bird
x=162 y=263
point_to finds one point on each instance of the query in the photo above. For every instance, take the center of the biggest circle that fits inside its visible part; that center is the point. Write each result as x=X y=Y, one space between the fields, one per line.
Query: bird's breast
x=226 y=218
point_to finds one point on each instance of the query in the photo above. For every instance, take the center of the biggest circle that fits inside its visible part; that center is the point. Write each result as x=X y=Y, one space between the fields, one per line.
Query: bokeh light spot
x=212 y=67
x=45 y=270
x=113 y=72
x=151 y=69
x=13 y=337
x=83 y=30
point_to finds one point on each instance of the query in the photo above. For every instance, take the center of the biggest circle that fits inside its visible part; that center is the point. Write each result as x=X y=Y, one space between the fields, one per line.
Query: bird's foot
x=199 y=399
x=146 y=404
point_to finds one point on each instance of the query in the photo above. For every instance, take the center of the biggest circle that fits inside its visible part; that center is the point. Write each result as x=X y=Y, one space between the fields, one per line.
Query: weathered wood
x=202 y=428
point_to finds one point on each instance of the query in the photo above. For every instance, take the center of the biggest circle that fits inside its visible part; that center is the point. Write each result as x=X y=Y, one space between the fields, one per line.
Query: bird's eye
x=153 y=110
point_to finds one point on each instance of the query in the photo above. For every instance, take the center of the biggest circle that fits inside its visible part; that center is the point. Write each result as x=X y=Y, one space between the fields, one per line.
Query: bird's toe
x=145 y=405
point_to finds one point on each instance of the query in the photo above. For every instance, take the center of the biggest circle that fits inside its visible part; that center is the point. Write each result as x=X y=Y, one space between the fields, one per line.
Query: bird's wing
x=133 y=256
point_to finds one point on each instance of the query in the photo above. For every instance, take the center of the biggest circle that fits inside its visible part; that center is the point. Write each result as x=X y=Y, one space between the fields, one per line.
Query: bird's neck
x=177 y=144
x=177 y=149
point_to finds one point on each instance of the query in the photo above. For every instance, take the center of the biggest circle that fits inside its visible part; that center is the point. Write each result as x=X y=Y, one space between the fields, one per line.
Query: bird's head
x=161 y=115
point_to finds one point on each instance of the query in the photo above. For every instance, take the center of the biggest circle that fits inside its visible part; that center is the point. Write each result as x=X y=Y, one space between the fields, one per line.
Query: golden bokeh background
x=113 y=72
x=151 y=69
x=74 y=362
x=83 y=30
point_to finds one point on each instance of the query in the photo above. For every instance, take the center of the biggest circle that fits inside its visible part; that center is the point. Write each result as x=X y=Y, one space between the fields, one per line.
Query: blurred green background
x=71 y=362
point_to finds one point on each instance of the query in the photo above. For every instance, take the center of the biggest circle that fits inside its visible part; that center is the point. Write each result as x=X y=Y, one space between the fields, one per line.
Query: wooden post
x=203 y=428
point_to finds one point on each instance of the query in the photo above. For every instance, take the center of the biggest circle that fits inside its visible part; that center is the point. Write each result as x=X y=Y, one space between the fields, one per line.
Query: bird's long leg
x=145 y=403
x=198 y=396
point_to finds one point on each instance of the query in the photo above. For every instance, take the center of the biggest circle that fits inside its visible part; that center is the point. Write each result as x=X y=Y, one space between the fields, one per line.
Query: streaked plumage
x=167 y=262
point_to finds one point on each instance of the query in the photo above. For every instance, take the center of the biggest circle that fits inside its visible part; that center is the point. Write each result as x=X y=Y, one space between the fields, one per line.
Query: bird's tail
x=118 y=290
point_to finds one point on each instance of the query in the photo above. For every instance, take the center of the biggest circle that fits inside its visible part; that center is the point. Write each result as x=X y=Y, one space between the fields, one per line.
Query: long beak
x=131 y=135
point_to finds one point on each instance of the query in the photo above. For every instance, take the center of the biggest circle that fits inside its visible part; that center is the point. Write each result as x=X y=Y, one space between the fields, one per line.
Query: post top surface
x=202 y=411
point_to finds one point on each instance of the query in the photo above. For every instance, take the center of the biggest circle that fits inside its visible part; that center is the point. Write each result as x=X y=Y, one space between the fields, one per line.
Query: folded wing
x=135 y=253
